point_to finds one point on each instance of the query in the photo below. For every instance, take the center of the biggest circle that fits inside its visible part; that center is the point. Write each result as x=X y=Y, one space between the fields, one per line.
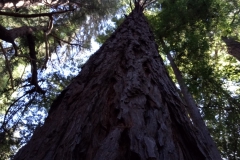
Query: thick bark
x=122 y=106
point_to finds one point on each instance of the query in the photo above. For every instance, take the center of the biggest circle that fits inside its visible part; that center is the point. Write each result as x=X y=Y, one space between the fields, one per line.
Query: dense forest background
x=44 y=44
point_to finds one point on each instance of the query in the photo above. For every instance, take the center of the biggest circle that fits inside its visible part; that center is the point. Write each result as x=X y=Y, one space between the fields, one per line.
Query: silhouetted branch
x=7 y=37
x=33 y=15
x=47 y=50
x=16 y=109
x=32 y=53
x=7 y=65
x=72 y=44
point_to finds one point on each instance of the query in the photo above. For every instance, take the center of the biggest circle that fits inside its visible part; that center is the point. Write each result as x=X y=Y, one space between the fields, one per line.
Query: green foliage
x=101 y=38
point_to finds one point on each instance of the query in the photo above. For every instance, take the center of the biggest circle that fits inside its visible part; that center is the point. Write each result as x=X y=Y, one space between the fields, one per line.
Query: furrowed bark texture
x=122 y=106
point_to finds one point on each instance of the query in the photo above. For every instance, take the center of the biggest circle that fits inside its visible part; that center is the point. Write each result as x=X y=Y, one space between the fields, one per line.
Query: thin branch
x=57 y=54
x=7 y=49
x=131 y=5
x=21 y=77
x=33 y=15
x=22 y=113
x=46 y=47
x=144 y=3
x=234 y=16
x=50 y=25
x=7 y=65
x=149 y=3
x=72 y=44
x=47 y=32
x=8 y=110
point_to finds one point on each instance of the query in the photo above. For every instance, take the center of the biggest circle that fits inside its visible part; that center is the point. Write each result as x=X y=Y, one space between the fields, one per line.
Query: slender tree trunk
x=193 y=110
x=122 y=106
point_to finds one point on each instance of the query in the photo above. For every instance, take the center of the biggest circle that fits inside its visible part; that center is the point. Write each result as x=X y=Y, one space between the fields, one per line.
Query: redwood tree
x=122 y=105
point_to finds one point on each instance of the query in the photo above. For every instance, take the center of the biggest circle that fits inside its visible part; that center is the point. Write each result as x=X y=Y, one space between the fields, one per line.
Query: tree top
x=140 y=5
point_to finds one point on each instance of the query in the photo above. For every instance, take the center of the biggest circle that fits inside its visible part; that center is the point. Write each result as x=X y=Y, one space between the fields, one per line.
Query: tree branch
x=7 y=65
x=73 y=44
x=8 y=37
x=33 y=15
x=47 y=50
x=32 y=53
x=50 y=26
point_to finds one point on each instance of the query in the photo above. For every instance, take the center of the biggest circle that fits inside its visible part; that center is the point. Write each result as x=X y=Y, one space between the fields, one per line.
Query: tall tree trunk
x=122 y=106
x=193 y=110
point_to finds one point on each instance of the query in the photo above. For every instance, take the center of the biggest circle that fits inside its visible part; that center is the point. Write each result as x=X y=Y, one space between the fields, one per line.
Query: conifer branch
x=33 y=15
x=61 y=40
x=7 y=66
x=47 y=51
